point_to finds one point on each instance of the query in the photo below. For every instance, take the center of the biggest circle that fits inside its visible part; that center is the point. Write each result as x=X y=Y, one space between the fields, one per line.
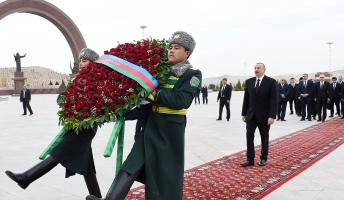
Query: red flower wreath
x=99 y=94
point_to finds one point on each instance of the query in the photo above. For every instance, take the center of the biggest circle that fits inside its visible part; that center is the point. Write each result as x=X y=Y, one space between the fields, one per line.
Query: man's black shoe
x=309 y=119
x=262 y=163
x=291 y=113
x=218 y=119
x=331 y=116
x=319 y=120
x=92 y=197
x=247 y=163
x=302 y=119
x=342 y=117
x=227 y=119
x=283 y=120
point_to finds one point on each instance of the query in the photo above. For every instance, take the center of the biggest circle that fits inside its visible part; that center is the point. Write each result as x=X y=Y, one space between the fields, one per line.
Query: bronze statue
x=17 y=57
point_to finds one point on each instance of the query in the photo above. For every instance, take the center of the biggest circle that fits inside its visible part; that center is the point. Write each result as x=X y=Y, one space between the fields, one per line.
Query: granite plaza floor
x=22 y=138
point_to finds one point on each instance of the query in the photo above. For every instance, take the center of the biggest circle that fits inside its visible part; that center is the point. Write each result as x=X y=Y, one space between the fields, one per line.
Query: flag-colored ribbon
x=142 y=77
x=57 y=139
x=117 y=133
x=135 y=72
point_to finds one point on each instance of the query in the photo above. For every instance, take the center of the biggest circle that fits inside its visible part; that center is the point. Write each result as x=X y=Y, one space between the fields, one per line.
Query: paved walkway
x=22 y=138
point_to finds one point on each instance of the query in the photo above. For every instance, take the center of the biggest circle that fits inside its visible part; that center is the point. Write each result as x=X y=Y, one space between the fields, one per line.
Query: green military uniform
x=159 y=151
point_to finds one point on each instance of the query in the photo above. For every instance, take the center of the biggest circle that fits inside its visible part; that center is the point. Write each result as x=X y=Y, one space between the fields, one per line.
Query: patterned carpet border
x=289 y=156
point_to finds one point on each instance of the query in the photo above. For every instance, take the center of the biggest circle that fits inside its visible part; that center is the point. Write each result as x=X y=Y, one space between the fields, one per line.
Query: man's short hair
x=292 y=78
x=224 y=79
x=260 y=63
x=305 y=74
x=334 y=78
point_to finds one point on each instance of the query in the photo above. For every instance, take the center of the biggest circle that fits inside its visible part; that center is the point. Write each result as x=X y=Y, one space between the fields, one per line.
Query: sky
x=231 y=36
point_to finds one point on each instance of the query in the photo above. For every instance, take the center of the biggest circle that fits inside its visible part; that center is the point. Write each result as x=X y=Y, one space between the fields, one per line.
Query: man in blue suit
x=283 y=91
x=306 y=91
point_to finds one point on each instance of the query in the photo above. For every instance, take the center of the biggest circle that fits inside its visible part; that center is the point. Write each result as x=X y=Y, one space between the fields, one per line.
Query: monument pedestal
x=19 y=82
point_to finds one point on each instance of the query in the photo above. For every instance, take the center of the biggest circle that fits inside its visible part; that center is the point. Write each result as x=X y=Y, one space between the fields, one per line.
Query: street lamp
x=143 y=27
x=330 y=55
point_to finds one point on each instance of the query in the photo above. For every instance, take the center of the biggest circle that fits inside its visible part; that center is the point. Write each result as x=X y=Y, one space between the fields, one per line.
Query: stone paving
x=22 y=138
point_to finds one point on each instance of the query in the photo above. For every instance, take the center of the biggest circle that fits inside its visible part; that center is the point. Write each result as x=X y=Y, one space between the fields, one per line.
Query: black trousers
x=342 y=107
x=282 y=106
x=297 y=105
x=223 y=102
x=264 y=135
x=314 y=107
x=205 y=99
x=321 y=108
x=197 y=99
x=26 y=105
x=332 y=103
x=306 y=103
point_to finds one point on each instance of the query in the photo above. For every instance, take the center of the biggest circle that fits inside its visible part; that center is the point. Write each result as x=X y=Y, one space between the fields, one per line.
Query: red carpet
x=288 y=156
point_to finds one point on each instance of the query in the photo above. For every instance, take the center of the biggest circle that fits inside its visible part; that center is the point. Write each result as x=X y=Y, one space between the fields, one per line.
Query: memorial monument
x=19 y=79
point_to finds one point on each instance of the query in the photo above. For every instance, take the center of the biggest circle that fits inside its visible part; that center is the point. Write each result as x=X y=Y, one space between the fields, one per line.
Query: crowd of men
x=311 y=99
x=308 y=99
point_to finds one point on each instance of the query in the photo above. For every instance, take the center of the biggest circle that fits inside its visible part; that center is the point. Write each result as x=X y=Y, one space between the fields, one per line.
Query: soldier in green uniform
x=74 y=152
x=157 y=156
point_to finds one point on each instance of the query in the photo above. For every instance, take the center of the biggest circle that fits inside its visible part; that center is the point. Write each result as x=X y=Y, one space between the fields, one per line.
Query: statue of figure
x=17 y=57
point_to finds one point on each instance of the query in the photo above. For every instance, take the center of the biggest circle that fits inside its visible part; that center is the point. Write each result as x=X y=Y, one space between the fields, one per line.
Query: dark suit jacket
x=261 y=104
x=204 y=91
x=293 y=91
x=283 y=90
x=27 y=97
x=321 y=93
x=342 y=91
x=227 y=93
x=335 y=94
x=308 y=89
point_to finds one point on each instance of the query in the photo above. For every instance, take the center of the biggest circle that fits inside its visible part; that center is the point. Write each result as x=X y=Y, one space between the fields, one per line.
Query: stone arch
x=53 y=14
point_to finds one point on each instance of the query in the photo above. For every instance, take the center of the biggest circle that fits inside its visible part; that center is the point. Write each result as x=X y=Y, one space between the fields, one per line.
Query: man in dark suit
x=313 y=103
x=341 y=82
x=224 y=96
x=335 y=96
x=204 y=94
x=305 y=91
x=342 y=100
x=259 y=110
x=293 y=97
x=197 y=96
x=321 y=94
x=25 y=98
x=283 y=91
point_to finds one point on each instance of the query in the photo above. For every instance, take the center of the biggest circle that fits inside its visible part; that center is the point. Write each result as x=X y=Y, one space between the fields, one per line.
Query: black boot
x=119 y=187
x=24 y=179
x=92 y=185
